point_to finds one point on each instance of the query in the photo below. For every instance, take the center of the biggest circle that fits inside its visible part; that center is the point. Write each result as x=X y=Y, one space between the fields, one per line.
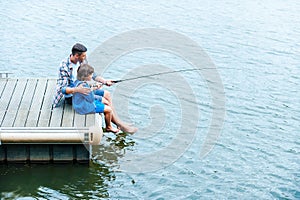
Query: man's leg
x=108 y=119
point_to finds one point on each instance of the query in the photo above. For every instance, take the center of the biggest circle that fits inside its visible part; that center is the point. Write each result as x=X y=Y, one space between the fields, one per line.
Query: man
x=65 y=84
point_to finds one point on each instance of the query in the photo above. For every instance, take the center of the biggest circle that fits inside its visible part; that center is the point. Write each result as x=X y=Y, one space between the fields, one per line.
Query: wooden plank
x=6 y=97
x=16 y=153
x=36 y=104
x=79 y=120
x=25 y=103
x=56 y=116
x=2 y=153
x=47 y=104
x=14 y=104
x=68 y=116
x=83 y=153
x=2 y=85
x=39 y=153
x=91 y=119
x=63 y=153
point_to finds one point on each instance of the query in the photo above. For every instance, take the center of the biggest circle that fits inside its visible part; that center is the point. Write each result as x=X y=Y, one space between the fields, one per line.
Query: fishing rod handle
x=116 y=81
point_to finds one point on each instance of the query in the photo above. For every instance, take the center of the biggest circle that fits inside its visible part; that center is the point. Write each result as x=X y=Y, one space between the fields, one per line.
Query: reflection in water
x=54 y=181
x=112 y=148
x=65 y=181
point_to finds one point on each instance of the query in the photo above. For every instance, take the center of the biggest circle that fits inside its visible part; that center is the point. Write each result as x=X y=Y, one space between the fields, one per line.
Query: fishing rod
x=157 y=74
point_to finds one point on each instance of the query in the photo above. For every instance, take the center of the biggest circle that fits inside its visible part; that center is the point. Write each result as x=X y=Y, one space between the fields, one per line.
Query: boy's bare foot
x=128 y=129
x=112 y=129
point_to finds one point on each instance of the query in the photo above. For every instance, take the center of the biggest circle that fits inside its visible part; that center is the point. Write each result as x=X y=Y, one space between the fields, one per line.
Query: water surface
x=255 y=47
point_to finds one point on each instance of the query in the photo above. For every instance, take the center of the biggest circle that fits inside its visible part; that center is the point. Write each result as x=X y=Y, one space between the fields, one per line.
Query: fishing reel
x=96 y=85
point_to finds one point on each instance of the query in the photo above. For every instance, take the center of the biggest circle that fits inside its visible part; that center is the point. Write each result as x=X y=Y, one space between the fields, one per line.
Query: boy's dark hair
x=83 y=71
x=78 y=49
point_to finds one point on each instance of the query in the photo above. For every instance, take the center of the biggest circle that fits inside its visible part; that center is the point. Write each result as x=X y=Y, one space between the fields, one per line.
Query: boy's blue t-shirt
x=83 y=104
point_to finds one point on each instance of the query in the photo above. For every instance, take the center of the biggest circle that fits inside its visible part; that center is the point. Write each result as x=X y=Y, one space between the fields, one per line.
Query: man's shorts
x=99 y=94
x=68 y=100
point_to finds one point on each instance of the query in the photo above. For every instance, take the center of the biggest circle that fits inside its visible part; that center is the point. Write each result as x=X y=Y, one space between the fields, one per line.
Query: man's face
x=82 y=57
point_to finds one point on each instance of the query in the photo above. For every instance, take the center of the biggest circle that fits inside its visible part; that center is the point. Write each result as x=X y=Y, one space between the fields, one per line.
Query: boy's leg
x=101 y=108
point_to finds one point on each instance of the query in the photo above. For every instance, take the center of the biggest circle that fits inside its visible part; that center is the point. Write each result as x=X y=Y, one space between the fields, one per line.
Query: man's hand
x=109 y=83
x=82 y=90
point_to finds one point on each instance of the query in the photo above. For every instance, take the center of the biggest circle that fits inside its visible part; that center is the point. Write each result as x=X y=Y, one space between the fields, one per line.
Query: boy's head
x=79 y=51
x=85 y=72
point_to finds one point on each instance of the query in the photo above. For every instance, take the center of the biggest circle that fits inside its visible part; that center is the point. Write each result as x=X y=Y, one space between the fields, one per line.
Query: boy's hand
x=97 y=86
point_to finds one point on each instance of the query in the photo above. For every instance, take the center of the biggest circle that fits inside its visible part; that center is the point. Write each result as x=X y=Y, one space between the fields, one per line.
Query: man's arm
x=80 y=89
x=102 y=80
x=62 y=85
x=63 y=82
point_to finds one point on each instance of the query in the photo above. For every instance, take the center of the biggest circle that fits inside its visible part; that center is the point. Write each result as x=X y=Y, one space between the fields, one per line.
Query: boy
x=91 y=103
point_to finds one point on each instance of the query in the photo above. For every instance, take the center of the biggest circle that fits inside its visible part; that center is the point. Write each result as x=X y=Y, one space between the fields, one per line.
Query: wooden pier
x=31 y=131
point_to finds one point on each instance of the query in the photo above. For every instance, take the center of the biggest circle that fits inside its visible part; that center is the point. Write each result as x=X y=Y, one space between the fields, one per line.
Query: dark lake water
x=227 y=131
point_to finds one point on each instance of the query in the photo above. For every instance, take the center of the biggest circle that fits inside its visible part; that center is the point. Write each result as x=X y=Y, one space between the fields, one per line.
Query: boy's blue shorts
x=99 y=106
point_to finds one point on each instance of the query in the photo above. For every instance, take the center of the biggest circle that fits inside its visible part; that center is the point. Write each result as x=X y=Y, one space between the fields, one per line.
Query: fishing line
x=157 y=74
